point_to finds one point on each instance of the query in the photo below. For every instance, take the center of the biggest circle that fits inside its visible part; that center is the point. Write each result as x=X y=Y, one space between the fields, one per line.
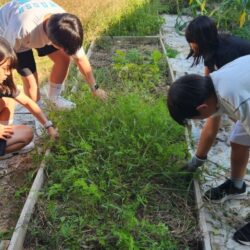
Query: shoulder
x=233 y=42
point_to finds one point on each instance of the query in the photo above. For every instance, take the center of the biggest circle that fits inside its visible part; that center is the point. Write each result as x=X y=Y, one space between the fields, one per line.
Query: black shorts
x=2 y=147
x=26 y=61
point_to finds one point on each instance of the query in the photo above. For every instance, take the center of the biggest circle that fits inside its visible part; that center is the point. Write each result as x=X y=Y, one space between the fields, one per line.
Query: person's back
x=232 y=87
x=21 y=23
x=216 y=49
x=230 y=48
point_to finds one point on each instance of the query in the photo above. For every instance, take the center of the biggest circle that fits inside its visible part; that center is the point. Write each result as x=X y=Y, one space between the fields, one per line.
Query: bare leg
x=239 y=160
x=58 y=74
x=31 y=86
x=60 y=68
x=7 y=110
x=21 y=137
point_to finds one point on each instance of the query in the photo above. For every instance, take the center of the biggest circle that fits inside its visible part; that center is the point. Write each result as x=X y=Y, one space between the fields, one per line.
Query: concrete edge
x=19 y=234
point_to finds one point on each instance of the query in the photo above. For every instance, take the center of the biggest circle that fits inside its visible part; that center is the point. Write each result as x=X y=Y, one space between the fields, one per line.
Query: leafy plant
x=132 y=68
x=171 y=53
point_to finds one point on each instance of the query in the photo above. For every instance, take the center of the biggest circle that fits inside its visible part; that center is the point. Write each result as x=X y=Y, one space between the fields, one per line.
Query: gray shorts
x=239 y=135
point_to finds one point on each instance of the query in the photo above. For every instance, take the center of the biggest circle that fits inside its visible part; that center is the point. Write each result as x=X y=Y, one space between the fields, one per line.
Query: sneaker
x=62 y=103
x=23 y=150
x=225 y=192
x=242 y=235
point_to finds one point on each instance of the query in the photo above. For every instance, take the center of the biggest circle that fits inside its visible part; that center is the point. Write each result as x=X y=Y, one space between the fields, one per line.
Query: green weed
x=113 y=174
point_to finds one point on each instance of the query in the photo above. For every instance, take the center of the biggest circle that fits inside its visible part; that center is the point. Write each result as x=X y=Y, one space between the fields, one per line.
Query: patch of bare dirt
x=13 y=189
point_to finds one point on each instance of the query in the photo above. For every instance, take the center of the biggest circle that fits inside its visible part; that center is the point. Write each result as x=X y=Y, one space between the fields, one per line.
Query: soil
x=12 y=179
x=14 y=182
x=105 y=48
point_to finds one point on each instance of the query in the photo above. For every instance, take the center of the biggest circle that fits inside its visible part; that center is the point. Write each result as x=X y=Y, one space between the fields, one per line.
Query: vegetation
x=114 y=170
x=113 y=180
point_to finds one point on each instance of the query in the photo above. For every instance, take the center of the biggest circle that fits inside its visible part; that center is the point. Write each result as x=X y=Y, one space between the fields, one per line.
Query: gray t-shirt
x=232 y=87
x=21 y=23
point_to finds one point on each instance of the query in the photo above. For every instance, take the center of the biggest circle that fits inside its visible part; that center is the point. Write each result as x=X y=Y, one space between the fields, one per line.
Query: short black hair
x=65 y=30
x=203 y=31
x=186 y=94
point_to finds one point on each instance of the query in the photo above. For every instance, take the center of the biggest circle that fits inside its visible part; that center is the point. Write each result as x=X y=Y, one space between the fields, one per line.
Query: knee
x=62 y=60
x=27 y=133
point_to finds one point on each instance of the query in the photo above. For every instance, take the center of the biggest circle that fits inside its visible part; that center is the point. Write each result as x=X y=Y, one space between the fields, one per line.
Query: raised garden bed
x=113 y=180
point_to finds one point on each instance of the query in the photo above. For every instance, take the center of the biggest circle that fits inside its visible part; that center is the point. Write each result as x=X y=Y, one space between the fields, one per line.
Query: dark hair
x=7 y=53
x=186 y=94
x=65 y=30
x=203 y=31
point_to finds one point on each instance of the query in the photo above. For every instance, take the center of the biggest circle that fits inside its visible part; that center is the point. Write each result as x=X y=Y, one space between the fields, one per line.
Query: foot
x=23 y=150
x=226 y=191
x=62 y=103
x=243 y=235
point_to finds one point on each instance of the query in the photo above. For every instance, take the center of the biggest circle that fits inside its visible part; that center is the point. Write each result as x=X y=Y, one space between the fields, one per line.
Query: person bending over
x=215 y=49
x=45 y=26
x=199 y=97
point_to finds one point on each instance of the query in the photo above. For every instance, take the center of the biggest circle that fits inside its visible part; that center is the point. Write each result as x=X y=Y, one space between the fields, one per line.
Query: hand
x=193 y=164
x=6 y=132
x=53 y=133
x=101 y=94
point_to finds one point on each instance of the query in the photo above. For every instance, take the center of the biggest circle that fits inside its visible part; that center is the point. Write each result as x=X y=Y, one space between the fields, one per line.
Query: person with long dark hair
x=16 y=139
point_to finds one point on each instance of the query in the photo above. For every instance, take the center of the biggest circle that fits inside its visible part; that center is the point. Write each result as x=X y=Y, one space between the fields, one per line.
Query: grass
x=113 y=175
x=120 y=190
x=97 y=18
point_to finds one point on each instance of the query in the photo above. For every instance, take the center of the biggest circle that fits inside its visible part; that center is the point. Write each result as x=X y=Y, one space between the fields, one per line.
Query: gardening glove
x=193 y=164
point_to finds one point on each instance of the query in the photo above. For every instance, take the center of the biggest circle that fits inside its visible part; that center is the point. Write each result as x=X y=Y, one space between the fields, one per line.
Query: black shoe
x=226 y=191
x=243 y=235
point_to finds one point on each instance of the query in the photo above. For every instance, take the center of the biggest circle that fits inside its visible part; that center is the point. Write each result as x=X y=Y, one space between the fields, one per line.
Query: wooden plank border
x=19 y=234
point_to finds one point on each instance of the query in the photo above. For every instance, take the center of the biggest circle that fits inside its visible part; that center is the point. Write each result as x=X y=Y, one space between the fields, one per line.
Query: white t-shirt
x=21 y=23
x=232 y=87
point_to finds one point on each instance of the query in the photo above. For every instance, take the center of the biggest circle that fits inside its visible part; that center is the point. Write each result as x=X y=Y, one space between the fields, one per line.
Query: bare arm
x=206 y=71
x=208 y=135
x=36 y=111
x=86 y=70
x=209 y=131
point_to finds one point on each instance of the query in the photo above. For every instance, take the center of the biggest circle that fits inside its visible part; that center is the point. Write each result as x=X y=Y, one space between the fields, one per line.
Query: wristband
x=201 y=159
x=197 y=162
x=48 y=124
x=94 y=87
